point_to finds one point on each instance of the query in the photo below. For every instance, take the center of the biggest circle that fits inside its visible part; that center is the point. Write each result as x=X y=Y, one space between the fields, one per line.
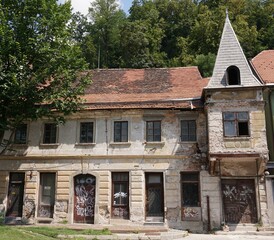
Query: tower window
x=233 y=75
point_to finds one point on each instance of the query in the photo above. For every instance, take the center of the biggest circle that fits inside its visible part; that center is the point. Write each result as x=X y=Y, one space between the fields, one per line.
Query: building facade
x=151 y=146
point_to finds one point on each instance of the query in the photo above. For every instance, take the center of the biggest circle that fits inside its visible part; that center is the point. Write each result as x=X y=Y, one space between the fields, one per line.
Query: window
x=121 y=131
x=120 y=208
x=188 y=130
x=153 y=131
x=236 y=124
x=50 y=130
x=190 y=189
x=47 y=195
x=233 y=75
x=86 y=132
x=20 y=136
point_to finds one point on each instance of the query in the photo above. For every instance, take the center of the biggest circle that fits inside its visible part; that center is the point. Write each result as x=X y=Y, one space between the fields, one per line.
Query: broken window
x=20 y=136
x=153 y=131
x=86 y=132
x=50 y=133
x=120 y=208
x=121 y=131
x=188 y=130
x=190 y=189
x=236 y=124
x=233 y=75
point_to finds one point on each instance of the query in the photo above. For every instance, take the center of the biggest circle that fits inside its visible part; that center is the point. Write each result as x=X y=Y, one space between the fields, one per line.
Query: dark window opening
x=20 y=136
x=233 y=75
x=50 y=130
x=236 y=124
x=190 y=189
x=121 y=131
x=86 y=132
x=188 y=130
x=120 y=186
x=153 y=131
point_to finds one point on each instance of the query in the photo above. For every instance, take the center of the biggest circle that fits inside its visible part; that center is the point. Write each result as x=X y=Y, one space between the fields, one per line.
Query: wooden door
x=46 y=195
x=15 y=195
x=84 y=198
x=154 y=197
x=239 y=200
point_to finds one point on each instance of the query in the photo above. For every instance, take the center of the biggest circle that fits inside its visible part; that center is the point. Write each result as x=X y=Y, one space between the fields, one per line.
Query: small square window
x=121 y=131
x=236 y=124
x=20 y=135
x=153 y=131
x=188 y=130
x=50 y=133
x=86 y=132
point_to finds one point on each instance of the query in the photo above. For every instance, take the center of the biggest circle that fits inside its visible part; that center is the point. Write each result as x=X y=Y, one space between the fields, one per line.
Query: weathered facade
x=152 y=146
x=237 y=138
x=127 y=156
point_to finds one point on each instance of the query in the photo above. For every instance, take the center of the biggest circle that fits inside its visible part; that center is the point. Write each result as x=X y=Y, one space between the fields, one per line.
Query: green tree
x=107 y=21
x=38 y=63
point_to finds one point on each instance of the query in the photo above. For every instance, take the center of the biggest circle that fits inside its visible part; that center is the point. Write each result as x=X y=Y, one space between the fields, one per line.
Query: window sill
x=187 y=142
x=126 y=144
x=20 y=145
x=49 y=145
x=237 y=138
x=154 y=143
x=85 y=144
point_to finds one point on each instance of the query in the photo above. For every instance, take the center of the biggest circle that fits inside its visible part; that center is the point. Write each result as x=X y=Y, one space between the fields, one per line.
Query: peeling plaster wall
x=170 y=156
x=248 y=100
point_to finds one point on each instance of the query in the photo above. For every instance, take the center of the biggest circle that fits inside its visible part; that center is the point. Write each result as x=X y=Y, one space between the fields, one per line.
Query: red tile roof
x=264 y=65
x=145 y=88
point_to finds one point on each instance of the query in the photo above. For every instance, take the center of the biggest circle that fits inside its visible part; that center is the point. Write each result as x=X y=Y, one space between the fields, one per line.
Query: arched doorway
x=84 y=198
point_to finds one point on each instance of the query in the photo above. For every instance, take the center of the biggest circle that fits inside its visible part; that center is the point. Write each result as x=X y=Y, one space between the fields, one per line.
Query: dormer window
x=233 y=75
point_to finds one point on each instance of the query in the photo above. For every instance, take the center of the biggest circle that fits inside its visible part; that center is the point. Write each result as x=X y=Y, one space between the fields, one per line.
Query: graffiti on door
x=84 y=195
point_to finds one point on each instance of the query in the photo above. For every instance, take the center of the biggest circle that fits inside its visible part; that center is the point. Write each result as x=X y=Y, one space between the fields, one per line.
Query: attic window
x=233 y=75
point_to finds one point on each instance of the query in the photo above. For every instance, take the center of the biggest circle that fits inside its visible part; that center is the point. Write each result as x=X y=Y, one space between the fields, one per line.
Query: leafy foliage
x=38 y=62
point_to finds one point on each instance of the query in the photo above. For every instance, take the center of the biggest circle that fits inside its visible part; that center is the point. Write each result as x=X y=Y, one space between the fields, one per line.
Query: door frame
x=161 y=185
x=255 y=200
x=21 y=183
x=73 y=197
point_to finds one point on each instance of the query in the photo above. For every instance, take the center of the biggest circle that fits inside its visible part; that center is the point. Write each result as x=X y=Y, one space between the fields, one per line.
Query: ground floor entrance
x=239 y=201
x=15 y=194
x=154 y=197
x=84 y=198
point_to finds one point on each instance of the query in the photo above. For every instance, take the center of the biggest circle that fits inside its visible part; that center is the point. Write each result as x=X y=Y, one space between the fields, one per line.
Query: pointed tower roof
x=231 y=56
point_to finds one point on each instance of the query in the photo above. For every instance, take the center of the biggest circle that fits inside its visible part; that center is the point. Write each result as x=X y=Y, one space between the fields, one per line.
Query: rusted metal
x=208 y=214
x=239 y=199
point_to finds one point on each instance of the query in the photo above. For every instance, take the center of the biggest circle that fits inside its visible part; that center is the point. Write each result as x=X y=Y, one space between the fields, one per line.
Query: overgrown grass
x=44 y=233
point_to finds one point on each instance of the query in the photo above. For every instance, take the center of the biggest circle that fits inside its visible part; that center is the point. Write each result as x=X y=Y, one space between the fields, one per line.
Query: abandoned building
x=151 y=146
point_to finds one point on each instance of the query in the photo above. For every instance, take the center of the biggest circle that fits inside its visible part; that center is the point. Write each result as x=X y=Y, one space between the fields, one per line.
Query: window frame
x=18 y=129
x=153 y=129
x=236 y=122
x=188 y=130
x=119 y=182
x=198 y=200
x=44 y=134
x=121 y=134
x=86 y=132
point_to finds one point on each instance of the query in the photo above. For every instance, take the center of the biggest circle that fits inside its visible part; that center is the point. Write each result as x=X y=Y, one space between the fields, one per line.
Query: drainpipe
x=208 y=214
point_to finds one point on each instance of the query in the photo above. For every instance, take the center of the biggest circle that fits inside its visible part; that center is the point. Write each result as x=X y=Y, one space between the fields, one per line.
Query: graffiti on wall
x=84 y=198
x=243 y=194
x=191 y=214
